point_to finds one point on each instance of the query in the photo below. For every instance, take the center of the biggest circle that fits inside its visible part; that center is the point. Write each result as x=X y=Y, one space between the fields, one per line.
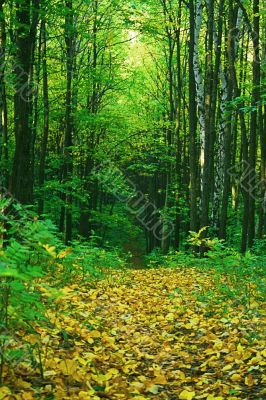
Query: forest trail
x=148 y=334
x=137 y=251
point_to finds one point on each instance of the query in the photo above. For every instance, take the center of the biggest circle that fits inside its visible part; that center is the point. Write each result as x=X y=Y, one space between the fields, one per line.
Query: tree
x=22 y=172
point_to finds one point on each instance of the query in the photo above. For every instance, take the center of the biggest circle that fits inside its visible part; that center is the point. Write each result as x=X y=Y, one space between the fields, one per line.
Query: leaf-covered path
x=157 y=334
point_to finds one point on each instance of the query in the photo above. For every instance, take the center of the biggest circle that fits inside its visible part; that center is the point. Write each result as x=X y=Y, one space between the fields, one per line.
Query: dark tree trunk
x=69 y=128
x=22 y=173
x=228 y=131
x=45 y=115
x=262 y=129
x=3 y=103
x=192 y=125
x=209 y=121
x=254 y=121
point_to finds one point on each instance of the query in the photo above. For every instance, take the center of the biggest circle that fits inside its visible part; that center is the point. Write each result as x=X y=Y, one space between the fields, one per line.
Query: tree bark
x=3 y=102
x=45 y=115
x=254 y=120
x=22 y=173
x=69 y=125
x=192 y=123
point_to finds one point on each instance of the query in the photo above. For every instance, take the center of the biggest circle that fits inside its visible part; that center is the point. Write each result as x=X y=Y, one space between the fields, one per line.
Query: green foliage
x=85 y=261
x=239 y=278
x=23 y=261
x=197 y=240
x=32 y=260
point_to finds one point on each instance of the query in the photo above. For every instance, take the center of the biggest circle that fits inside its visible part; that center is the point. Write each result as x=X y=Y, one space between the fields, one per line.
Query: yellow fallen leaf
x=110 y=373
x=85 y=395
x=22 y=384
x=95 y=334
x=160 y=380
x=227 y=367
x=46 y=374
x=64 y=253
x=186 y=395
x=235 y=377
x=82 y=361
x=68 y=367
x=154 y=389
x=4 y=391
x=33 y=339
x=142 y=378
x=180 y=375
x=246 y=355
x=170 y=317
x=249 y=380
x=137 y=385
x=28 y=396
x=240 y=348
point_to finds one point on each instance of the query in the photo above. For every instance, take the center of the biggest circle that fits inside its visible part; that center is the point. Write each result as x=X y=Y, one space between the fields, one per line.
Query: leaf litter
x=144 y=334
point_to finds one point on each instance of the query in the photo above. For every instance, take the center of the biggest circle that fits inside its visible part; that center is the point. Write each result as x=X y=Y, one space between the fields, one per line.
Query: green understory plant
x=238 y=278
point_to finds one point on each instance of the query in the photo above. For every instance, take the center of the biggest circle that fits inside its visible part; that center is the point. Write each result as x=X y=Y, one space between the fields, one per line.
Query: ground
x=146 y=334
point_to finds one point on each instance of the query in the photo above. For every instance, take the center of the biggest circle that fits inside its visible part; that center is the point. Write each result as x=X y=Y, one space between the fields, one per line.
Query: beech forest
x=132 y=199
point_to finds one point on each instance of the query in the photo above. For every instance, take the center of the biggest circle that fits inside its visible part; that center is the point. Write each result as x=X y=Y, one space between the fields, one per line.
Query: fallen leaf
x=154 y=389
x=186 y=395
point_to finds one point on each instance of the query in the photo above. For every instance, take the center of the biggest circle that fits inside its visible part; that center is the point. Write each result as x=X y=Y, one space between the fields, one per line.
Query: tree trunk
x=192 y=123
x=3 y=103
x=69 y=125
x=228 y=131
x=45 y=115
x=210 y=90
x=199 y=91
x=22 y=173
x=254 y=120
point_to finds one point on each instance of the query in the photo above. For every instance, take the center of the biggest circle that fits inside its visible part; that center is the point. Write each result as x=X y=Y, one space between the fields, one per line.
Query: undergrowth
x=238 y=277
x=34 y=260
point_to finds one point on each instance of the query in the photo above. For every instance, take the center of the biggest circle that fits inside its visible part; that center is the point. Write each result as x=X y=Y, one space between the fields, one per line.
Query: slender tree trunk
x=165 y=242
x=69 y=124
x=262 y=129
x=209 y=111
x=228 y=131
x=45 y=115
x=179 y=170
x=192 y=123
x=92 y=107
x=3 y=103
x=219 y=170
x=199 y=91
x=254 y=120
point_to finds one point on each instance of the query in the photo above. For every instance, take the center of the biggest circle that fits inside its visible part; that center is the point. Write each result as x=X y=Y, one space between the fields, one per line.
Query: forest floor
x=146 y=334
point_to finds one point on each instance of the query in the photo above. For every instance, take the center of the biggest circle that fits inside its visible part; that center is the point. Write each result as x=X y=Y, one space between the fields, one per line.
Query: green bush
x=237 y=277
x=34 y=260
x=24 y=261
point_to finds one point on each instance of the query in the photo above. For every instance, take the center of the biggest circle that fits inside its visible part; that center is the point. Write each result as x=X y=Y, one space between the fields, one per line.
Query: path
x=150 y=335
x=136 y=247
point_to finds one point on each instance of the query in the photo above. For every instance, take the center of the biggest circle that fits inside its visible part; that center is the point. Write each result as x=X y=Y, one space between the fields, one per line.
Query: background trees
x=171 y=92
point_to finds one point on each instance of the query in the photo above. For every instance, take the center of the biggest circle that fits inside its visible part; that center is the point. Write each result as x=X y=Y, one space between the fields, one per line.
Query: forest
x=132 y=199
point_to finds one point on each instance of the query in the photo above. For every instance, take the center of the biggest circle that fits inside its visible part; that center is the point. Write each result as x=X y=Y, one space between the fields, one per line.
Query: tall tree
x=46 y=107
x=69 y=124
x=192 y=123
x=3 y=101
x=22 y=172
